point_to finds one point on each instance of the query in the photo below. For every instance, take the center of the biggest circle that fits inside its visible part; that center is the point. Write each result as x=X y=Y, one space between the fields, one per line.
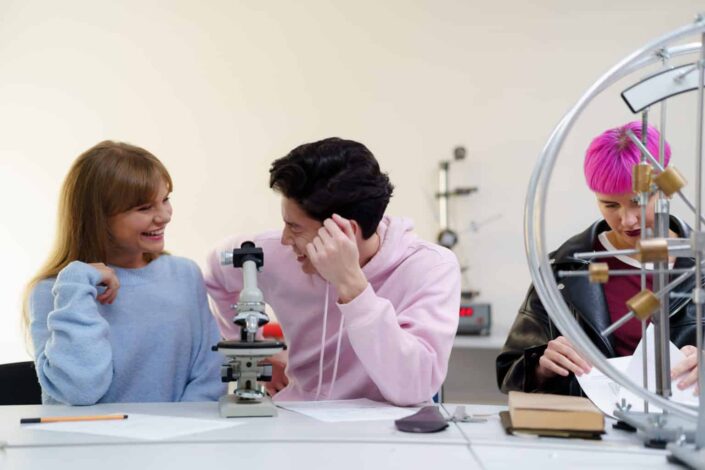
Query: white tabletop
x=494 y=448
x=291 y=440
x=288 y=426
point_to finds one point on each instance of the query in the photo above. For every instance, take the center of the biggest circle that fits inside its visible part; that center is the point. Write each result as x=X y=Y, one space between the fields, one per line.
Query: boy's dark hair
x=334 y=176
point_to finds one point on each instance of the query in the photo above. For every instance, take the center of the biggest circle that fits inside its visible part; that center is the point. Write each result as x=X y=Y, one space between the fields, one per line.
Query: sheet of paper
x=600 y=389
x=605 y=393
x=362 y=409
x=140 y=426
x=635 y=372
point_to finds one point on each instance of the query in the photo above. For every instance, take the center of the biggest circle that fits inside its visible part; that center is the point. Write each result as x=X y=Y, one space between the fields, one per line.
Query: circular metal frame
x=534 y=215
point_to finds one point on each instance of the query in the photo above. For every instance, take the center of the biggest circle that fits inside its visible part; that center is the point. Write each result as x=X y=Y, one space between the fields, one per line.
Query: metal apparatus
x=682 y=425
x=448 y=237
x=249 y=398
x=475 y=318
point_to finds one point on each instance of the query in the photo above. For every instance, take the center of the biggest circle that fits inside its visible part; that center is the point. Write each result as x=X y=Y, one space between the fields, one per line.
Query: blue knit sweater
x=153 y=344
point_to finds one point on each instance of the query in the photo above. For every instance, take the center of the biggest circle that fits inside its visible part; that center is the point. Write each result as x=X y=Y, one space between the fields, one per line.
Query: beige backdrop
x=219 y=88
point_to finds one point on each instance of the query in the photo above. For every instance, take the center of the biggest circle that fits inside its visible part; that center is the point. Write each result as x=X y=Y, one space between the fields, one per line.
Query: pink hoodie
x=391 y=343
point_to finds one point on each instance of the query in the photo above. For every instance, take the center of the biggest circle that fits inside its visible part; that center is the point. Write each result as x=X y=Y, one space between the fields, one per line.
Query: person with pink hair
x=536 y=357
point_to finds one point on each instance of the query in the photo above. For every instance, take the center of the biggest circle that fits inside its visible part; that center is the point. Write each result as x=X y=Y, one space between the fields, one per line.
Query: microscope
x=249 y=398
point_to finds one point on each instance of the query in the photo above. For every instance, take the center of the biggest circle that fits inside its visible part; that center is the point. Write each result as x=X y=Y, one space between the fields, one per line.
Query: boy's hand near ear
x=335 y=256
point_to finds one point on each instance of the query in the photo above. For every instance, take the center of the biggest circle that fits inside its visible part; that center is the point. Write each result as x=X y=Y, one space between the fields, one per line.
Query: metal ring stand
x=678 y=423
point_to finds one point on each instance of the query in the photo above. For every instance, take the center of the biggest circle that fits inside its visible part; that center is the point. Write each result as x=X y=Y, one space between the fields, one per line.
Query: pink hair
x=611 y=155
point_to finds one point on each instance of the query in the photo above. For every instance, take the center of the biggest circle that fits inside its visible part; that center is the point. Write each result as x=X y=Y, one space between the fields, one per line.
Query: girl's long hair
x=107 y=179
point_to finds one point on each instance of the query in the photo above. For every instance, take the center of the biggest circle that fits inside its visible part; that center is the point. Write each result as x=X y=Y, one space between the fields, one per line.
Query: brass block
x=599 y=273
x=652 y=250
x=641 y=178
x=644 y=304
x=670 y=181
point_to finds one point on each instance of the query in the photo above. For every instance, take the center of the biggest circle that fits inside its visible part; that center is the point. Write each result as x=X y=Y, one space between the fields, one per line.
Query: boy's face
x=299 y=230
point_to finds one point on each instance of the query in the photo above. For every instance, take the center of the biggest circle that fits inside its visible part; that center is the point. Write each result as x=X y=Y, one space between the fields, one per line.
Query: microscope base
x=231 y=407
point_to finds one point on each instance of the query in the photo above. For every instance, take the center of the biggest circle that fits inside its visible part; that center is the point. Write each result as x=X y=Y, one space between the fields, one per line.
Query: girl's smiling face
x=139 y=231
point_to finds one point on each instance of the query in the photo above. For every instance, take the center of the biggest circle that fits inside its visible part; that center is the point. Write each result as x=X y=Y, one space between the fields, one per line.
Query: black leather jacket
x=532 y=329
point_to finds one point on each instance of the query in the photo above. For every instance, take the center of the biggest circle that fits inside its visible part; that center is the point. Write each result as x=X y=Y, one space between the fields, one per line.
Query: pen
x=63 y=419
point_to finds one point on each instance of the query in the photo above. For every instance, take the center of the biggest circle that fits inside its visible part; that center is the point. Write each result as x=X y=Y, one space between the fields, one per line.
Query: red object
x=466 y=311
x=272 y=330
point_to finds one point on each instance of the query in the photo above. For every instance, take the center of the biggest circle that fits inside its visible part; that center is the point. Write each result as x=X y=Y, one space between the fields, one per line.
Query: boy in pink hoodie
x=367 y=308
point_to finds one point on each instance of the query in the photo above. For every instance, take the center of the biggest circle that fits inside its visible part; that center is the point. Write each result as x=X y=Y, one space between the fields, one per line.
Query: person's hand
x=279 y=379
x=687 y=369
x=561 y=358
x=336 y=258
x=109 y=279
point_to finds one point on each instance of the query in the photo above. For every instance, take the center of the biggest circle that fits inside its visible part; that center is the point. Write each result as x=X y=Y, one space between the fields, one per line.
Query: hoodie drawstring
x=323 y=343
x=322 y=354
x=337 y=357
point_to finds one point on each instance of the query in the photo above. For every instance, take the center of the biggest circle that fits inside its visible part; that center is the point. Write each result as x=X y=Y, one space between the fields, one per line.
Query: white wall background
x=217 y=89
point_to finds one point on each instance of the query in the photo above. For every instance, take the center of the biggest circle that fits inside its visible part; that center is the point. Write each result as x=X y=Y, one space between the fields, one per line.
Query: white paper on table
x=139 y=426
x=602 y=390
x=605 y=393
x=361 y=409
x=635 y=372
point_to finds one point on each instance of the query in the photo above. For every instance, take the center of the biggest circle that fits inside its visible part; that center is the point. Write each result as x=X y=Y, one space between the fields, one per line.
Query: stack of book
x=552 y=415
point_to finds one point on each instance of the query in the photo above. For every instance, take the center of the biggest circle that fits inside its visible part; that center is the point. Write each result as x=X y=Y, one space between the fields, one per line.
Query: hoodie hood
x=397 y=240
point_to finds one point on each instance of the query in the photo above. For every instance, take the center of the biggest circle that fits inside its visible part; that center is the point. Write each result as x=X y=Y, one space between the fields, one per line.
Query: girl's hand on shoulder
x=109 y=279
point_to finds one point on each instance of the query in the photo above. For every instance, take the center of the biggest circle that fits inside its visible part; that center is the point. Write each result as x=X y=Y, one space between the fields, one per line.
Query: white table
x=296 y=441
